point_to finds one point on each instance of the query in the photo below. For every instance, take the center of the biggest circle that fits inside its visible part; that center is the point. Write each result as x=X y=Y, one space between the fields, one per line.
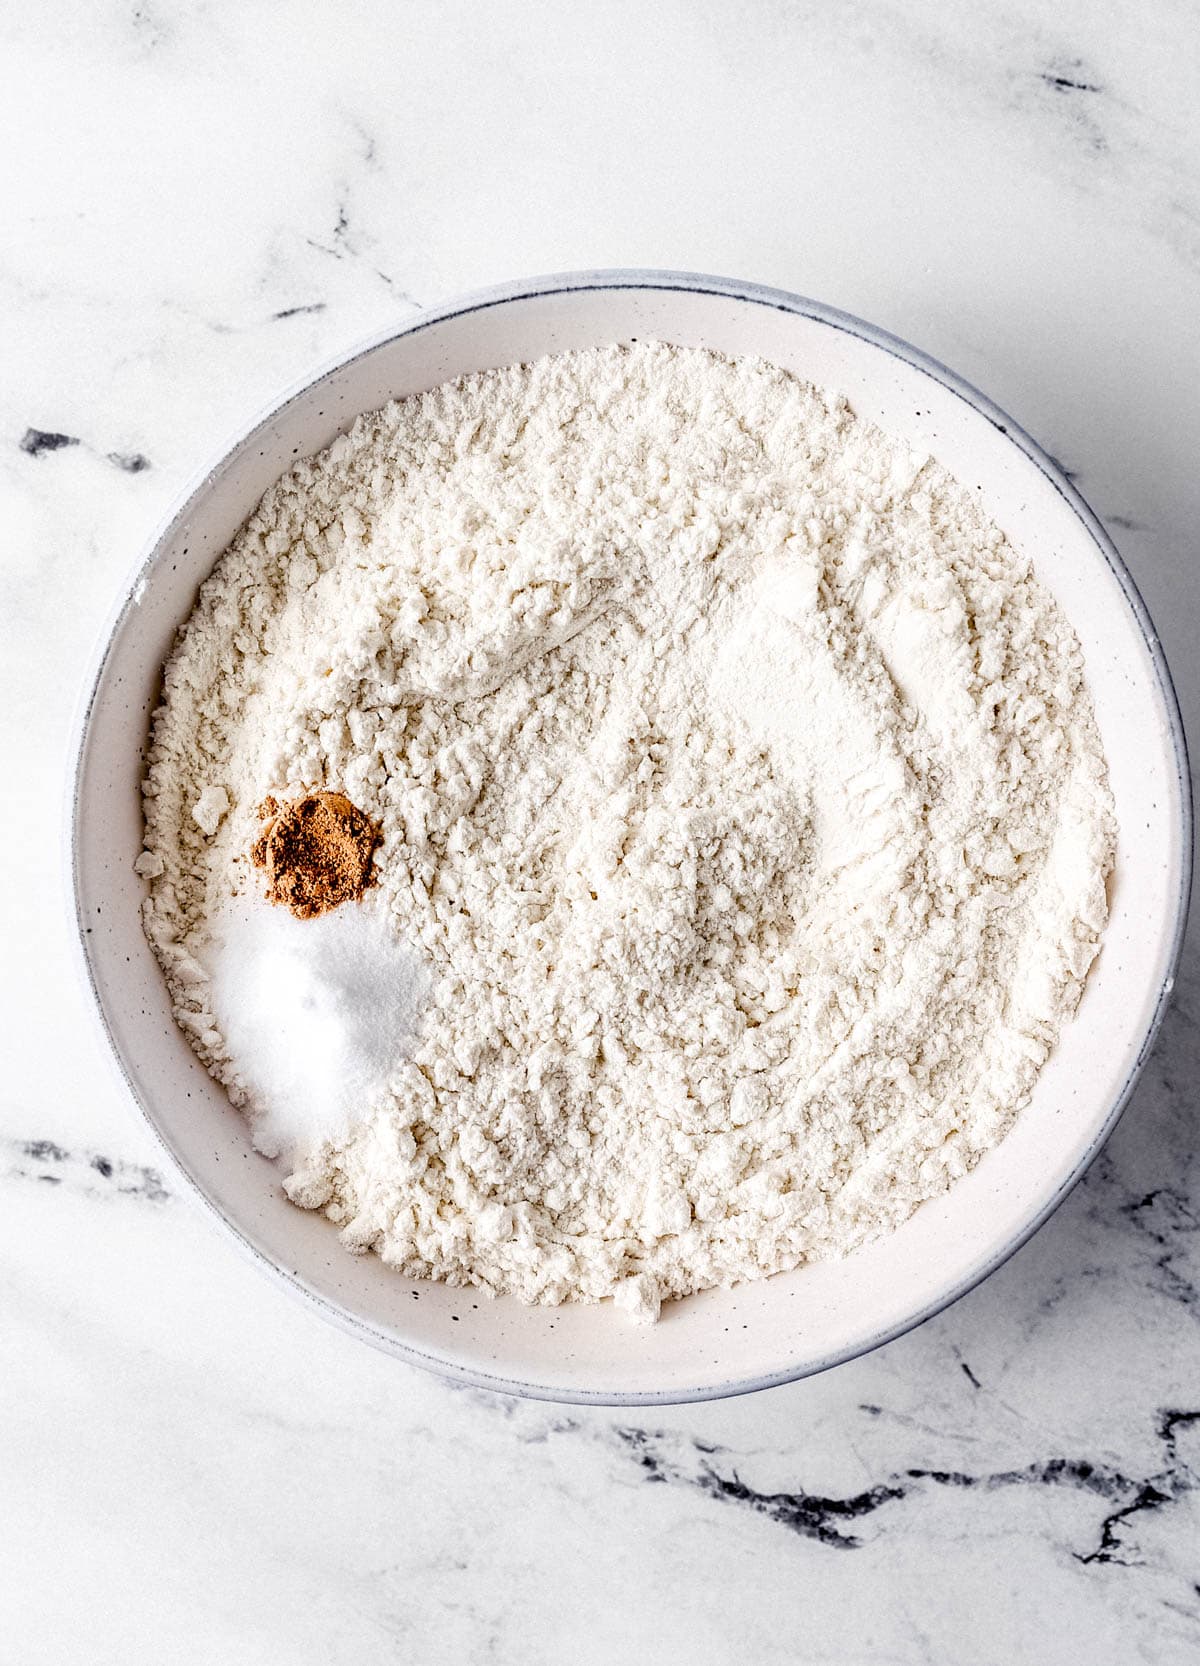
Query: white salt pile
x=316 y=1013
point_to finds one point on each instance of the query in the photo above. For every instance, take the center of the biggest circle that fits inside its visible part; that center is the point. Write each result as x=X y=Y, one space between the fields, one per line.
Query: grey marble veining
x=201 y=204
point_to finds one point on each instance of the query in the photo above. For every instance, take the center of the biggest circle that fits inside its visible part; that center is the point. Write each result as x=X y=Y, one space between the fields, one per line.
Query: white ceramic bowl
x=725 y=1341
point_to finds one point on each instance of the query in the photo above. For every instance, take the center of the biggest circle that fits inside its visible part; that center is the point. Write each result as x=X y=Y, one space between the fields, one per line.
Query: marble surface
x=201 y=202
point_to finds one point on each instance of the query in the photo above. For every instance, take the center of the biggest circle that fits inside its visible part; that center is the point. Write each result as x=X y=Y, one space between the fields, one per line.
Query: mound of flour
x=741 y=803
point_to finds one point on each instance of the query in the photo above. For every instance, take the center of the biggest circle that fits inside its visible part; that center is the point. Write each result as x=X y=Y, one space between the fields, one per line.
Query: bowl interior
x=796 y=1322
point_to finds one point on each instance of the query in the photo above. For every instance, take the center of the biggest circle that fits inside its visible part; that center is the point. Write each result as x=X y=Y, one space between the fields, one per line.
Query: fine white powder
x=317 y=1013
x=742 y=807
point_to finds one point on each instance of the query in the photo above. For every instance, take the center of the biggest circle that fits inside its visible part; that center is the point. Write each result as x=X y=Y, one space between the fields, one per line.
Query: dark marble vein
x=339 y=242
x=88 y=1172
x=828 y=1519
x=1067 y=84
x=349 y=240
x=1172 y=1482
x=1065 y=81
x=811 y=1515
x=35 y=442
x=1054 y=1472
x=1166 y=1220
x=1136 y=1218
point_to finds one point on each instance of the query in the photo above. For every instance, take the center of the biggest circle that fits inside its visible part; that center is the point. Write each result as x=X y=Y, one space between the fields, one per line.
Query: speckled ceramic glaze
x=725 y=1341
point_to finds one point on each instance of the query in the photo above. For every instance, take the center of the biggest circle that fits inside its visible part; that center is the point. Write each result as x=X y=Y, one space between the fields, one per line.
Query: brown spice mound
x=317 y=851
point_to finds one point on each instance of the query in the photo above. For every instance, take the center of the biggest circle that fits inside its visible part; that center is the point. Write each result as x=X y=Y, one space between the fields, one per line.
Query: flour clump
x=741 y=818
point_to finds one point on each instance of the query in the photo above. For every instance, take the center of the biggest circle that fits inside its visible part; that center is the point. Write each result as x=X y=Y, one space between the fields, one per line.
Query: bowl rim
x=533 y=288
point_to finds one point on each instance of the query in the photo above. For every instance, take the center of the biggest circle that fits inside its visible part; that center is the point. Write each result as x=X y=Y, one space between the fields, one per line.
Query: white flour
x=740 y=797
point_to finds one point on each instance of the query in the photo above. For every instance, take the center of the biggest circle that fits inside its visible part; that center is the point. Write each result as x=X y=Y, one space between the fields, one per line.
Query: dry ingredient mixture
x=743 y=827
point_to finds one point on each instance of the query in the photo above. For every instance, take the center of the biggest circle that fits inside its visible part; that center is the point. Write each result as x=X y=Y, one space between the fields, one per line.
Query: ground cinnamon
x=317 y=852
